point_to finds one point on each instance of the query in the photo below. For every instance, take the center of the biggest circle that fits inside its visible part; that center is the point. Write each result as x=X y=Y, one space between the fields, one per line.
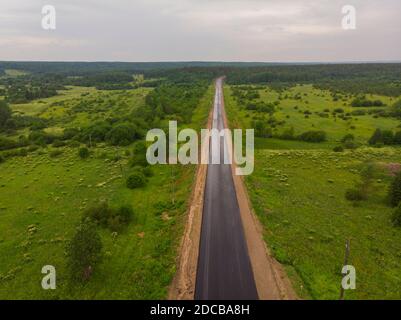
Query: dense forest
x=44 y=78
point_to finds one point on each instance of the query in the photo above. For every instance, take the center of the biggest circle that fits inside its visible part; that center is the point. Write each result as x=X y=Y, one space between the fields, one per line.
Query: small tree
x=376 y=138
x=84 y=251
x=395 y=190
x=83 y=153
x=136 y=180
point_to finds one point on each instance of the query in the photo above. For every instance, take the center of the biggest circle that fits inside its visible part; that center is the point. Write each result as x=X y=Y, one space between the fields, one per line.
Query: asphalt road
x=224 y=268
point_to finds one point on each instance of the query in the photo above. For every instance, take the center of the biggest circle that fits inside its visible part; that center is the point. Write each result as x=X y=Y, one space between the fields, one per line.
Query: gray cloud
x=230 y=30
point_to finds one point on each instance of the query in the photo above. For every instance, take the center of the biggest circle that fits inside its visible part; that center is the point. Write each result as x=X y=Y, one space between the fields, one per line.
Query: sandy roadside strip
x=271 y=280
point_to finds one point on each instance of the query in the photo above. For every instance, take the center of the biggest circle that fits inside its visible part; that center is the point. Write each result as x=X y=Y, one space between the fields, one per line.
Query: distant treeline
x=84 y=68
x=376 y=78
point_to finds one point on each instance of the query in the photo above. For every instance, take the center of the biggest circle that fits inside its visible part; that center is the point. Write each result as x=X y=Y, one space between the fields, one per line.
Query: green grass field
x=297 y=191
x=42 y=199
x=316 y=101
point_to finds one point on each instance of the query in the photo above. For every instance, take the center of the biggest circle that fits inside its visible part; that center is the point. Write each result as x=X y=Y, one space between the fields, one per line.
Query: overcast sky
x=202 y=30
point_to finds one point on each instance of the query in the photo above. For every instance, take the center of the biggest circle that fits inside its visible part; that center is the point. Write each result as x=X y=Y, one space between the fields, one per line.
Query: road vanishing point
x=224 y=269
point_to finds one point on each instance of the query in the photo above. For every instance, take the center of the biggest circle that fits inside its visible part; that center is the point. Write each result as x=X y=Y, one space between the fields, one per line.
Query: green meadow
x=298 y=193
x=44 y=193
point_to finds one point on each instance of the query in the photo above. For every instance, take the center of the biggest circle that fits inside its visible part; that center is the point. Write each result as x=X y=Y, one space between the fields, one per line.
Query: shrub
x=136 y=180
x=83 y=153
x=396 y=217
x=126 y=214
x=2 y=159
x=139 y=154
x=313 y=136
x=385 y=137
x=354 y=195
x=147 y=171
x=96 y=132
x=348 y=137
x=338 y=149
x=55 y=153
x=388 y=137
x=397 y=138
x=6 y=144
x=58 y=144
x=84 y=251
x=41 y=138
x=395 y=190
x=262 y=130
x=99 y=213
x=70 y=133
x=363 y=102
x=288 y=134
x=123 y=134
x=376 y=137
x=108 y=217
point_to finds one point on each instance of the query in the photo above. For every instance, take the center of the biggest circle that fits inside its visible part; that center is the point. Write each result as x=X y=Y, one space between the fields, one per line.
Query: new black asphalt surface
x=224 y=268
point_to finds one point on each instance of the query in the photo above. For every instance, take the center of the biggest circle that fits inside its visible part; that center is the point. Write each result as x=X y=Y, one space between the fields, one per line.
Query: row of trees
x=363 y=102
x=385 y=137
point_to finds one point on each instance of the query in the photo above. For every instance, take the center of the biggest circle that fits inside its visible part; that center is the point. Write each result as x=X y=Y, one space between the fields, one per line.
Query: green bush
x=107 y=217
x=136 y=180
x=123 y=134
x=99 y=213
x=147 y=171
x=139 y=154
x=376 y=137
x=6 y=144
x=70 y=133
x=41 y=138
x=84 y=251
x=58 y=144
x=396 y=217
x=83 y=152
x=348 y=137
x=2 y=159
x=338 y=149
x=126 y=214
x=313 y=136
x=262 y=130
x=394 y=192
x=55 y=153
x=354 y=195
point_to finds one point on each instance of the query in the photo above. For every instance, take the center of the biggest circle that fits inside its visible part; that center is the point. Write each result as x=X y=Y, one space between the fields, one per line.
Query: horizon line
x=212 y=61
